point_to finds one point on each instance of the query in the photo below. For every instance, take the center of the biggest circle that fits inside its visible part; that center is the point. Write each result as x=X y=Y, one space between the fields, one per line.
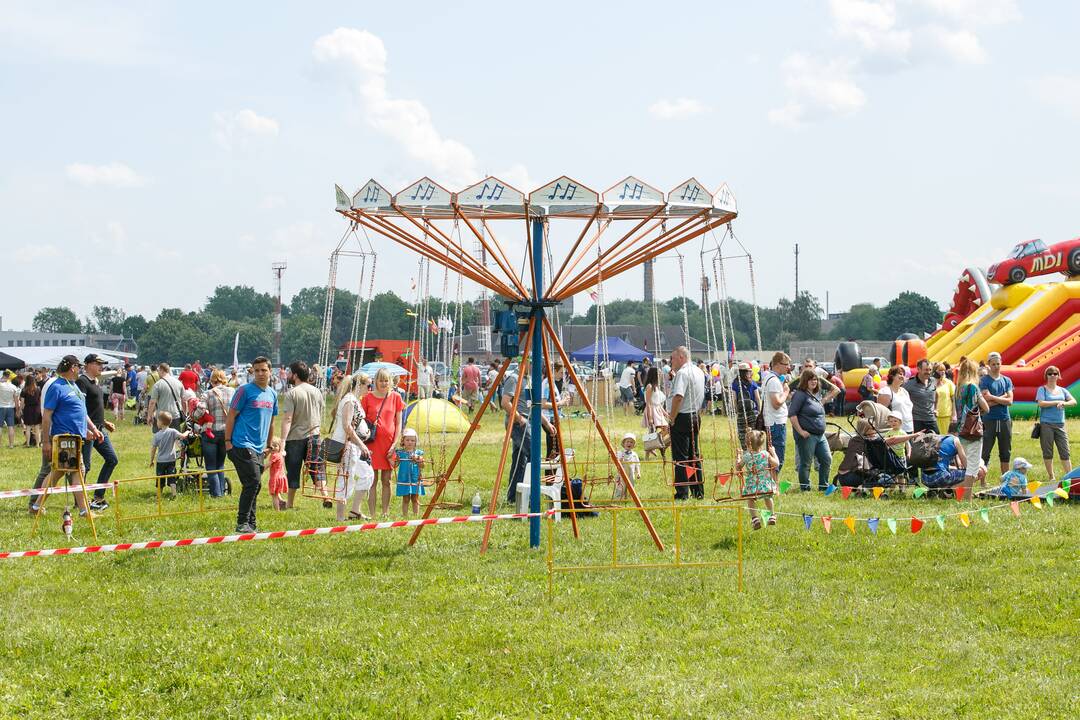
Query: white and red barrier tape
x=244 y=537
x=59 y=489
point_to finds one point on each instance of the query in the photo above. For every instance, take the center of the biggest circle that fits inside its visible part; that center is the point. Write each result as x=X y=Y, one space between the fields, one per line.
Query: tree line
x=207 y=334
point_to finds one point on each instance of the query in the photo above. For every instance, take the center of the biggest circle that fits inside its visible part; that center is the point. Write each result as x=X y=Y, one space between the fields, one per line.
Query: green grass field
x=982 y=622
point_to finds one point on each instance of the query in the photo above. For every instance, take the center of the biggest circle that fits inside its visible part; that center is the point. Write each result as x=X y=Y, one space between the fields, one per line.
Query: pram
x=868 y=462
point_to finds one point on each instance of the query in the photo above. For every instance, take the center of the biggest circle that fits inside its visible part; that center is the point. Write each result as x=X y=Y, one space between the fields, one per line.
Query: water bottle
x=476 y=503
x=66 y=524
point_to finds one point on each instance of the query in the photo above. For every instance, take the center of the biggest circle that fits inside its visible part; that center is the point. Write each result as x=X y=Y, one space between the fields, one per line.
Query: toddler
x=163 y=451
x=757 y=464
x=1015 y=481
x=630 y=462
x=408 y=458
x=279 y=483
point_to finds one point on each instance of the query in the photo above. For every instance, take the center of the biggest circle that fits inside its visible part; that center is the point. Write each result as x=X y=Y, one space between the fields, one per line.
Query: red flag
x=845 y=492
x=960 y=493
x=433 y=326
x=690 y=471
x=826 y=520
x=1015 y=507
x=916 y=525
x=723 y=478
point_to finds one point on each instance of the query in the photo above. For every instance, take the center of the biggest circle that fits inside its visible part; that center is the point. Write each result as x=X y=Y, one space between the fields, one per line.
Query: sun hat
x=1021 y=464
x=896 y=414
x=629 y=436
x=744 y=366
x=409 y=432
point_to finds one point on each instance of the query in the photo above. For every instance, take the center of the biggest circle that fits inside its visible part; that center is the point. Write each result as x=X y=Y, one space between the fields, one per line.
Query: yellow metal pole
x=739 y=521
x=614 y=537
x=678 y=534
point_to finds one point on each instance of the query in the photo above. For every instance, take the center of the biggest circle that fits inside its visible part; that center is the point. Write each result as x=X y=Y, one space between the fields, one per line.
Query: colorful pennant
x=872 y=523
x=826 y=520
x=1036 y=501
x=807 y=520
x=845 y=492
x=960 y=493
x=829 y=490
x=1015 y=507
x=877 y=492
x=784 y=486
x=850 y=522
x=765 y=515
x=965 y=520
x=891 y=522
x=1050 y=500
x=940 y=521
x=985 y=515
x=1032 y=486
x=916 y=525
x=918 y=492
x=1061 y=493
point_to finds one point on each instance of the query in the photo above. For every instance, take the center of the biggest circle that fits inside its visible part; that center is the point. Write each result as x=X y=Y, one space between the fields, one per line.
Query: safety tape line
x=244 y=537
x=59 y=489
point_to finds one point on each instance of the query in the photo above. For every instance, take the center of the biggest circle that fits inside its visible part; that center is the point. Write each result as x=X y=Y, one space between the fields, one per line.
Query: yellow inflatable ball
x=877 y=382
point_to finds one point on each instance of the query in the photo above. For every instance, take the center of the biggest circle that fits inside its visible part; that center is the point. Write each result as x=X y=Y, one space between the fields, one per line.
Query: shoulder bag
x=373 y=431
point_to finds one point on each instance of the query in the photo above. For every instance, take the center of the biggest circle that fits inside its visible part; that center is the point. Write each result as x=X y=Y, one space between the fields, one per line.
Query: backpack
x=925 y=450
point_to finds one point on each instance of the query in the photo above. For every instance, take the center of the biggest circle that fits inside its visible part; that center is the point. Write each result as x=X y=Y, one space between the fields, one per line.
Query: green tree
x=255 y=340
x=800 y=318
x=134 y=326
x=909 y=312
x=239 y=302
x=56 y=320
x=300 y=335
x=174 y=340
x=105 y=319
x=862 y=322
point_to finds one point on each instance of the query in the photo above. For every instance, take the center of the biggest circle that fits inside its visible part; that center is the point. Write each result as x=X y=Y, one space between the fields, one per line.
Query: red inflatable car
x=1033 y=257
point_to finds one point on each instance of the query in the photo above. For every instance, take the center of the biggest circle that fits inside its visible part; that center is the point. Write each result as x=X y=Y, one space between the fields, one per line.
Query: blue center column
x=536 y=360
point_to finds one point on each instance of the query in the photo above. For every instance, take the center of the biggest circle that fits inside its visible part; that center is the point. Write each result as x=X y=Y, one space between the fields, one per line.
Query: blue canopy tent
x=617 y=349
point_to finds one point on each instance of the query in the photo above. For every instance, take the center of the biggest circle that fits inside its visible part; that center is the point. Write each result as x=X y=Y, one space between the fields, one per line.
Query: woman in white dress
x=895 y=397
x=655 y=417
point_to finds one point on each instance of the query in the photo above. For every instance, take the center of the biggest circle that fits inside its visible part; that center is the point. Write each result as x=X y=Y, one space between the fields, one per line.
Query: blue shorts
x=7 y=417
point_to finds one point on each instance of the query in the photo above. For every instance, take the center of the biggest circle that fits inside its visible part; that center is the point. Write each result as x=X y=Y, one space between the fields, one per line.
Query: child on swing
x=279 y=482
x=758 y=463
x=408 y=458
x=630 y=462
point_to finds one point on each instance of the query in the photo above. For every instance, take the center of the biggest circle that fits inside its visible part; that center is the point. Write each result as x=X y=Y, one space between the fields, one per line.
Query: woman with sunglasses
x=1052 y=401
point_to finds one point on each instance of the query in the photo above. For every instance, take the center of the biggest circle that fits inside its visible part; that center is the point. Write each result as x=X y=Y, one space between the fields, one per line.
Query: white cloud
x=114 y=174
x=974 y=12
x=407 y=122
x=239 y=128
x=33 y=252
x=872 y=25
x=272 y=202
x=961 y=46
x=817 y=88
x=1060 y=91
x=676 y=109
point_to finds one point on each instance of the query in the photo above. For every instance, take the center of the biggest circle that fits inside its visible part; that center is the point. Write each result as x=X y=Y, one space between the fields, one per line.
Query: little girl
x=758 y=464
x=630 y=462
x=408 y=458
x=279 y=483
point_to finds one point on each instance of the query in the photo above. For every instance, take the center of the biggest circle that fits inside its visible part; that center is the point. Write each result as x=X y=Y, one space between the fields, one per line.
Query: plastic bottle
x=476 y=503
x=66 y=524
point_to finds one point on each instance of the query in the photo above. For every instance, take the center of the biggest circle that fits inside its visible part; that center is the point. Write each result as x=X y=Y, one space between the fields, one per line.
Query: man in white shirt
x=425 y=380
x=626 y=387
x=776 y=393
x=9 y=398
x=687 y=396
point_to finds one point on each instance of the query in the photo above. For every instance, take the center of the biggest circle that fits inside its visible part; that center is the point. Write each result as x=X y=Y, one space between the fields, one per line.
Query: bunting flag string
x=965 y=520
x=878 y=490
x=850 y=522
x=940 y=519
x=845 y=491
x=916 y=525
x=826 y=520
x=891 y=522
x=872 y=523
x=807 y=520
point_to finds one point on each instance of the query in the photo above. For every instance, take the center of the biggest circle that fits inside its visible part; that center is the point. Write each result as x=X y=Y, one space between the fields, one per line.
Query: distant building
x=30 y=338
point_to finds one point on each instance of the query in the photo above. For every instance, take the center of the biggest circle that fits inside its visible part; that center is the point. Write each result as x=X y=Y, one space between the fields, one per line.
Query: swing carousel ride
x=606 y=234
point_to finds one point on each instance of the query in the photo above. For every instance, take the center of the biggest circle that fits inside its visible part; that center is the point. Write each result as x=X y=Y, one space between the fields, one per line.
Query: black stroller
x=868 y=462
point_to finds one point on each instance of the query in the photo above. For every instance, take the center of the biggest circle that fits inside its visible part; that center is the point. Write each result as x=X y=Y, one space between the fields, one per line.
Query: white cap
x=629 y=436
x=1021 y=464
x=409 y=432
x=896 y=414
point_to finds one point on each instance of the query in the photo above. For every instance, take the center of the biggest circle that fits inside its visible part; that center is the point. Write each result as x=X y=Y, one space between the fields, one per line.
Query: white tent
x=49 y=357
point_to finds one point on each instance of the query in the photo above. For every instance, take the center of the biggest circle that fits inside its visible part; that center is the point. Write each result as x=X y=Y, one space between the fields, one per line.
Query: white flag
x=235 y=348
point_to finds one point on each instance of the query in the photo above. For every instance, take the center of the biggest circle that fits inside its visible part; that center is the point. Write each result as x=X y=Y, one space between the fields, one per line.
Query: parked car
x=1034 y=257
x=442 y=372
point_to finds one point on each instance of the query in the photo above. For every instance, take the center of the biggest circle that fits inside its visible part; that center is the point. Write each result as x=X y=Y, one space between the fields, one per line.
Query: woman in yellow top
x=946 y=391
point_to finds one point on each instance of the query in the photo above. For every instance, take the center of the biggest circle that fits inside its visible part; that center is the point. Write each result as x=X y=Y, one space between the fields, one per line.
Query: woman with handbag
x=383 y=408
x=1050 y=429
x=217 y=399
x=970 y=405
x=348 y=430
x=655 y=418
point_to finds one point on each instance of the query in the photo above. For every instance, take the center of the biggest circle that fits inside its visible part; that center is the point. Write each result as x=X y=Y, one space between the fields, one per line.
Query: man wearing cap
x=95 y=410
x=165 y=397
x=63 y=413
x=997 y=390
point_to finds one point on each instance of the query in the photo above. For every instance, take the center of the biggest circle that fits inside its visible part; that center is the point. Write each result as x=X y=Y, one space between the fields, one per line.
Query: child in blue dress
x=408 y=458
x=757 y=463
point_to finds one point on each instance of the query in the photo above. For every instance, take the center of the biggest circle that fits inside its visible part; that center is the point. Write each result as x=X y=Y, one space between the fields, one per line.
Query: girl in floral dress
x=757 y=463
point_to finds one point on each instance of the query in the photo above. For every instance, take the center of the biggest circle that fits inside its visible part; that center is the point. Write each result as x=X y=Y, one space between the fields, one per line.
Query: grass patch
x=967 y=623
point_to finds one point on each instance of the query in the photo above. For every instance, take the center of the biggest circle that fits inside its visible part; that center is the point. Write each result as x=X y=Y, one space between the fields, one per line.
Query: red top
x=386 y=434
x=189 y=379
x=470 y=378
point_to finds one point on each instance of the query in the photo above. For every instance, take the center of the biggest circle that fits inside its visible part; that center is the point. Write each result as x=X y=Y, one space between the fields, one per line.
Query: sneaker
x=772 y=520
x=244 y=529
x=35 y=509
x=327 y=503
x=101 y=504
x=88 y=513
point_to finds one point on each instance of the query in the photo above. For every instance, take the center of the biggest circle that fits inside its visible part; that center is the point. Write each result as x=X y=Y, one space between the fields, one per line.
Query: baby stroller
x=190 y=461
x=868 y=462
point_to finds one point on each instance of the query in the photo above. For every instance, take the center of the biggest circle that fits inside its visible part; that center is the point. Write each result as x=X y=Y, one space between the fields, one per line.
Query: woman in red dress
x=382 y=409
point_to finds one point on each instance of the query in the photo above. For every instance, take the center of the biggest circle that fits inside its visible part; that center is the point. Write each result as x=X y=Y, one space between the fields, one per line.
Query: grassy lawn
x=975 y=623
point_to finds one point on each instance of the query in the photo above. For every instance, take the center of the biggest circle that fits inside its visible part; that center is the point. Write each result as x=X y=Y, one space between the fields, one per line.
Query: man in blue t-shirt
x=248 y=428
x=997 y=389
x=64 y=413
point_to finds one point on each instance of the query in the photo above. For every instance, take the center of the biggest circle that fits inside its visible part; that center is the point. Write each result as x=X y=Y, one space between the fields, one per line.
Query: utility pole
x=796 y=271
x=649 y=281
x=279 y=270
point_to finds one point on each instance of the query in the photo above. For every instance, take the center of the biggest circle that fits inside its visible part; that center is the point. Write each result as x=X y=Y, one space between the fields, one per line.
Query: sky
x=153 y=151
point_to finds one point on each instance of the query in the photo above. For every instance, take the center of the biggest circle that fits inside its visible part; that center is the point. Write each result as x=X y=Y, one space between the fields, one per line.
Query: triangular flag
x=826 y=520
x=916 y=525
x=807 y=520
x=985 y=515
x=1033 y=486
x=784 y=486
x=940 y=521
x=891 y=522
x=872 y=523
x=723 y=478
x=965 y=520
x=877 y=492
x=1050 y=500
x=850 y=522
x=1061 y=493
x=765 y=515
x=410 y=313
x=1015 y=507
x=1036 y=501
x=918 y=492
x=960 y=493
x=829 y=490
x=845 y=492
x=1066 y=483
x=690 y=471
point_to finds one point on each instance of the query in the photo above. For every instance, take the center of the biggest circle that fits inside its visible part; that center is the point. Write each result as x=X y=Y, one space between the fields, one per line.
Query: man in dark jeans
x=95 y=410
x=249 y=425
x=922 y=388
x=997 y=389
